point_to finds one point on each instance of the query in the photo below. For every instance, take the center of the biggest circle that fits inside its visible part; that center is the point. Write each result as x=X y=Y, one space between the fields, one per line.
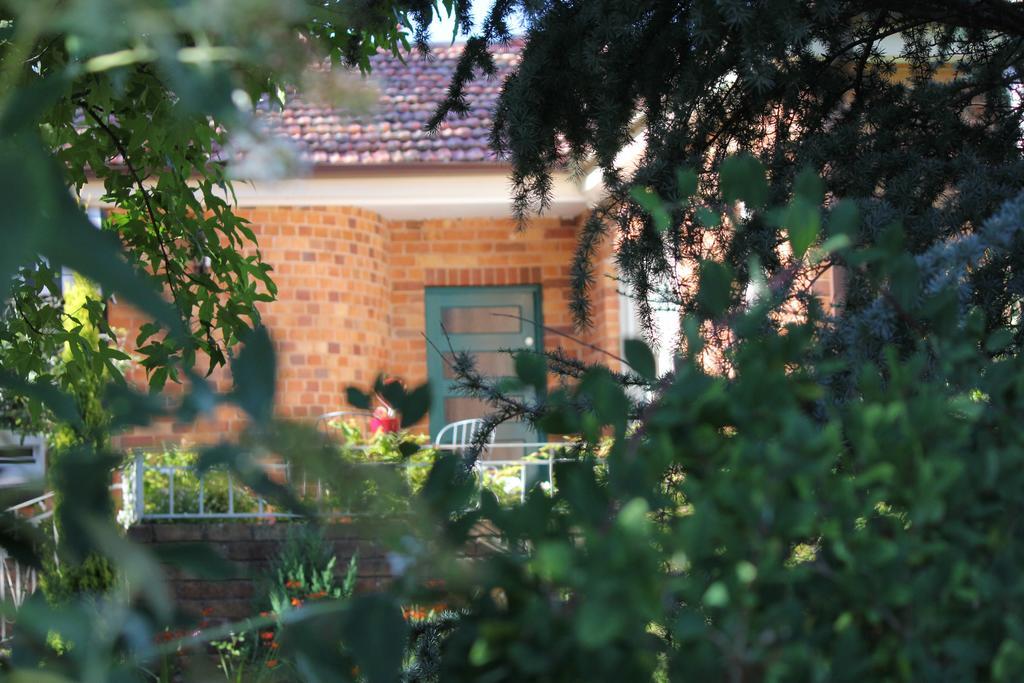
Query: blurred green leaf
x=415 y=405
x=138 y=567
x=21 y=540
x=607 y=397
x=392 y=391
x=844 y=218
x=640 y=358
x=809 y=186
x=717 y=595
x=714 y=294
x=650 y=202
x=803 y=224
x=999 y=340
x=255 y=373
x=62 y=404
x=357 y=399
x=597 y=623
x=742 y=179
x=708 y=218
x=531 y=368
x=197 y=560
x=250 y=473
x=376 y=634
x=686 y=182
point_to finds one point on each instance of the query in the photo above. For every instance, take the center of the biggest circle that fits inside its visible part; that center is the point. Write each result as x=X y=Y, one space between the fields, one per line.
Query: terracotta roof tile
x=393 y=133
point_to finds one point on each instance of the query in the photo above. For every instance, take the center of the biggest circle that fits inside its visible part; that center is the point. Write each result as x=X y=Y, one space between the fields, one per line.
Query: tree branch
x=1001 y=16
x=142 y=190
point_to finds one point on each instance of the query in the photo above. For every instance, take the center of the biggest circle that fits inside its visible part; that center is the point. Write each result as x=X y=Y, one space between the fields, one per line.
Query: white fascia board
x=400 y=196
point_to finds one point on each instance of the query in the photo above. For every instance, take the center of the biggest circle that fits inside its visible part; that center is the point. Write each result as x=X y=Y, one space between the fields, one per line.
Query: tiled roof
x=393 y=133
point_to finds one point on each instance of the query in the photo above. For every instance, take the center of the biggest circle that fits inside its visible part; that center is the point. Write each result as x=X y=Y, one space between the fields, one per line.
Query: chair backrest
x=460 y=434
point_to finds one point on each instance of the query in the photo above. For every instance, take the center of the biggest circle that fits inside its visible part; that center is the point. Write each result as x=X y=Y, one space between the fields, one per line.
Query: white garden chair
x=459 y=435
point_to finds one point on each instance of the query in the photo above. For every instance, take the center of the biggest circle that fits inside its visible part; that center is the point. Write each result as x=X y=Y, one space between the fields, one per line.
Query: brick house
x=392 y=233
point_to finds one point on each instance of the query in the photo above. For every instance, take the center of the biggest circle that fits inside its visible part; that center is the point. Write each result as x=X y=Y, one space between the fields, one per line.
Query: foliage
x=94 y=576
x=387 y=496
x=748 y=528
x=154 y=102
x=793 y=539
x=909 y=109
x=301 y=574
x=304 y=570
x=724 y=537
x=64 y=575
x=426 y=638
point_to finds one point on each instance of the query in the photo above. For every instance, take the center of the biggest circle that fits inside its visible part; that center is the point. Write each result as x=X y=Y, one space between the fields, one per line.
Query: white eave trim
x=400 y=196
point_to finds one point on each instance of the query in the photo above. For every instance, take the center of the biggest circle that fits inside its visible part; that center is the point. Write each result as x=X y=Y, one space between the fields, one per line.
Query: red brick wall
x=251 y=547
x=485 y=252
x=351 y=299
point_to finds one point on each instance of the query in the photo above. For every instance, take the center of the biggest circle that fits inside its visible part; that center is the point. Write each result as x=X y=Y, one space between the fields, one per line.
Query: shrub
x=759 y=527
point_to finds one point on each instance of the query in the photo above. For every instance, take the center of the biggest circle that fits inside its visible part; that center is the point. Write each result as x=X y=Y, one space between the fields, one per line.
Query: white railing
x=18 y=582
x=514 y=476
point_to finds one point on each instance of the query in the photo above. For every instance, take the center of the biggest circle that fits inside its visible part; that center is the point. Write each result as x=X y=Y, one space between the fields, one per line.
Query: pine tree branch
x=1001 y=16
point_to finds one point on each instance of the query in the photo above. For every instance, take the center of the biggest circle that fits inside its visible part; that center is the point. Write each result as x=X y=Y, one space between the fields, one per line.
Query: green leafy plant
x=304 y=570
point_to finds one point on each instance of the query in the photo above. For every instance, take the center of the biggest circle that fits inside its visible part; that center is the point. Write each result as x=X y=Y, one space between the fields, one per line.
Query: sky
x=441 y=31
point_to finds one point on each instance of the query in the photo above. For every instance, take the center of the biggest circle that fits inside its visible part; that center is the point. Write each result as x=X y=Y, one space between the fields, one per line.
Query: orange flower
x=413 y=613
x=296 y=602
x=293 y=584
x=271 y=663
x=207 y=611
x=317 y=596
x=345 y=520
x=267 y=635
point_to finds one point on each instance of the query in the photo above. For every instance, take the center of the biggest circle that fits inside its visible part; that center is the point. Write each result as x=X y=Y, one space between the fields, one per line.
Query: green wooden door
x=486 y=321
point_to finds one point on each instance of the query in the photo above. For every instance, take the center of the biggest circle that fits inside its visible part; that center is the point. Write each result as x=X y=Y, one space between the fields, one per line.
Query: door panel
x=484 y=321
x=481 y=319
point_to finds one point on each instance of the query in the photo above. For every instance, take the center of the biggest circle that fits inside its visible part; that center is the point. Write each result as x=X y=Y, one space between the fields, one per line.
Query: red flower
x=267 y=635
x=271 y=663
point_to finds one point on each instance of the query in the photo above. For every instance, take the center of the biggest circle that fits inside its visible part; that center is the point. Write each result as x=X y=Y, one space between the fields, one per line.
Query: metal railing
x=188 y=493
x=17 y=582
